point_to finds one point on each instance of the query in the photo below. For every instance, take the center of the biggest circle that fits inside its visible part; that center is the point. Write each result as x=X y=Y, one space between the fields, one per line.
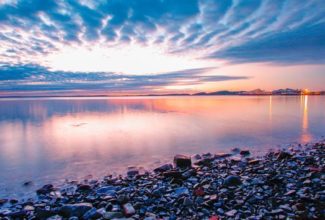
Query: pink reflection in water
x=48 y=140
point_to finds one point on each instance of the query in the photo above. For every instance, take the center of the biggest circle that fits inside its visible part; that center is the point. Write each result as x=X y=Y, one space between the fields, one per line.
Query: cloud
x=305 y=45
x=38 y=78
x=277 y=31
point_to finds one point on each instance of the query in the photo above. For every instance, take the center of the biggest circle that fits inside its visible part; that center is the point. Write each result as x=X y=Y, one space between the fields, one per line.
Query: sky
x=160 y=46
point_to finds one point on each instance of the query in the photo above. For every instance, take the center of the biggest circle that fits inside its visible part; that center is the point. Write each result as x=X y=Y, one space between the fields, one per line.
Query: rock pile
x=280 y=185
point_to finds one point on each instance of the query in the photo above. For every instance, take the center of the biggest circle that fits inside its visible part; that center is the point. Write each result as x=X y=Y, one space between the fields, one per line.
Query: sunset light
x=162 y=109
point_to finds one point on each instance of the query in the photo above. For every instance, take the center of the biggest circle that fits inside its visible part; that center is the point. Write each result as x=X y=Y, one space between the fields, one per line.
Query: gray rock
x=107 y=190
x=113 y=215
x=232 y=181
x=182 y=161
x=245 y=153
x=128 y=209
x=163 y=168
x=132 y=171
x=181 y=191
x=231 y=213
x=77 y=210
x=92 y=214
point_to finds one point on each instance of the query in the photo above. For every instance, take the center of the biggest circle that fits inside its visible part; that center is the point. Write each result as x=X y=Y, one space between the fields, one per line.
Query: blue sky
x=156 y=46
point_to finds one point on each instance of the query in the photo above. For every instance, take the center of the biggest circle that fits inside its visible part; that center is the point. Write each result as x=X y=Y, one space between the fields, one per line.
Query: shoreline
x=150 y=95
x=278 y=185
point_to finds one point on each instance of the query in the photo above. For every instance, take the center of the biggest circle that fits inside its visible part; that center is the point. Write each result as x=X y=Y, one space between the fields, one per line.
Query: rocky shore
x=287 y=184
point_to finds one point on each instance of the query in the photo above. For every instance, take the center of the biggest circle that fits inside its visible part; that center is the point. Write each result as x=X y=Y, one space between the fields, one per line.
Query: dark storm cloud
x=34 y=77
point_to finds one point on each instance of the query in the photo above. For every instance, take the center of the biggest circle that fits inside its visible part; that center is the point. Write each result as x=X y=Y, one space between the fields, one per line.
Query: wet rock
x=173 y=174
x=232 y=181
x=106 y=190
x=92 y=214
x=77 y=210
x=29 y=208
x=290 y=192
x=45 y=189
x=187 y=202
x=84 y=187
x=199 y=191
x=282 y=155
x=181 y=191
x=222 y=155
x=163 y=168
x=231 y=213
x=44 y=214
x=55 y=217
x=113 y=215
x=13 y=201
x=182 y=161
x=18 y=214
x=128 y=209
x=235 y=150
x=245 y=153
x=254 y=162
x=132 y=171
x=3 y=201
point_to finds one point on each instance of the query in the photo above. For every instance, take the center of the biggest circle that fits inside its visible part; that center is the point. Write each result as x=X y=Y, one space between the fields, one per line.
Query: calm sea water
x=49 y=140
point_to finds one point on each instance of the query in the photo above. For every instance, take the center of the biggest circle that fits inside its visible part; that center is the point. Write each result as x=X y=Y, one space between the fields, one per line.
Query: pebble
x=231 y=213
x=128 y=209
x=232 y=181
x=77 y=210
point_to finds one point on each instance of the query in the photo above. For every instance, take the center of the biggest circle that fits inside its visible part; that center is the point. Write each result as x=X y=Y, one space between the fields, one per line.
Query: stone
x=163 y=168
x=245 y=153
x=128 y=209
x=92 y=214
x=55 y=217
x=187 y=202
x=254 y=162
x=132 y=171
x=45 y=189
x=107 y=190
x=282 y=155
x=181 y=191
x=182 y=161
x=231 y=213
x=3 y=201
x=113 y=215
x=232 y=181
x=17 y=214
x=29 y=208
x=84 y=187
x=290 y=192
x=173 y=174
x=78 y=209
x=199 y=191
x=235 y=150
x=221 y=155
x=44 y=214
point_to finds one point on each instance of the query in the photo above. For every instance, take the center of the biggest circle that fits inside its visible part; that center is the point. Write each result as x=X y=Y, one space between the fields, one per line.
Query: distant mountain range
x=287 y=91
x=256 y=92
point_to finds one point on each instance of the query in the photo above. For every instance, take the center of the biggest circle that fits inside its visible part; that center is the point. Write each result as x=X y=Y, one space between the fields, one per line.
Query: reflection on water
x=48 y=140
x=306 y=136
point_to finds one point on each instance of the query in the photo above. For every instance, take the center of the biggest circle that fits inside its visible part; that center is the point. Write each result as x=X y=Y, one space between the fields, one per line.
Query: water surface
x=47 y=140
